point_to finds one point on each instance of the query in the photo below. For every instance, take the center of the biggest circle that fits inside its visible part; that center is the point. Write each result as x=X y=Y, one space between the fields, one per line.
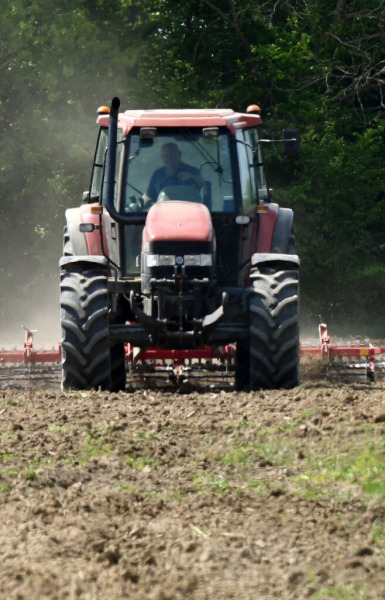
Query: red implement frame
x=359 y=354
x=158 y=353
x=29 y=355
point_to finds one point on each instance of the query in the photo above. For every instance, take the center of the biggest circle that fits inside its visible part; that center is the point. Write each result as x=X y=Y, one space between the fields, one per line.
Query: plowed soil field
x=154 y=495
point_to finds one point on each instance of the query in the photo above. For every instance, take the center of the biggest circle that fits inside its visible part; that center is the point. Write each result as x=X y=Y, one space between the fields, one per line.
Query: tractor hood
x=178 y=221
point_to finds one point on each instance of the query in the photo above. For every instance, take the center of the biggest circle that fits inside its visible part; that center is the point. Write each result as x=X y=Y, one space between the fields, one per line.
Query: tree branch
x=231 y=22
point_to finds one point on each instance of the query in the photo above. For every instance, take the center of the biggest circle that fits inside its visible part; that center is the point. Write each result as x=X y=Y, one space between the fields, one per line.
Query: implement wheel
x=85 y=335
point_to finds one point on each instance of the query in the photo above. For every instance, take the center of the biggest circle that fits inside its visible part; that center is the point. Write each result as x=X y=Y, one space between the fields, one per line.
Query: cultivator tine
x=351 y=370
x=182 y=374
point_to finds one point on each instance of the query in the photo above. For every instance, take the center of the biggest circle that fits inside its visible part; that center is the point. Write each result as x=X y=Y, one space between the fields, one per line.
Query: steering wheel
x=135 y=204
x=171 y=181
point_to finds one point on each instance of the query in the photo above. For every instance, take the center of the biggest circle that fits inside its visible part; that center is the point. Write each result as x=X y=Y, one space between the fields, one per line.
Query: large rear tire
x=86 y=362
x=274 y=331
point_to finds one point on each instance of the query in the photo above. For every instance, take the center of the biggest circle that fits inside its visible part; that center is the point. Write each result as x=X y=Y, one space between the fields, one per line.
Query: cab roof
x=202 y=117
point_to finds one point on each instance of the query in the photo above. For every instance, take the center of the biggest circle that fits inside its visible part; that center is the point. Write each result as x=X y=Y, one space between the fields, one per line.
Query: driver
x=174 y=172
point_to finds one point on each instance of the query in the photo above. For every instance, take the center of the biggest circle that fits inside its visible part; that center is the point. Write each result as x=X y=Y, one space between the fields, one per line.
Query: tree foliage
x=58 y=64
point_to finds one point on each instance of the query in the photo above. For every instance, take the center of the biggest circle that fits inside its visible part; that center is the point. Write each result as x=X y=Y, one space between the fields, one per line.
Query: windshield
x=178 y=164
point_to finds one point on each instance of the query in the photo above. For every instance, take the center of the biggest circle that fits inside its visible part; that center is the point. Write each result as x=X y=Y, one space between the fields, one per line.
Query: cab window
x=98 y=179
x=251 y=168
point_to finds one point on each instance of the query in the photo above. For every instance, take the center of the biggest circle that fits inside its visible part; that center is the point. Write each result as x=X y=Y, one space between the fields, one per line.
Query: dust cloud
x=31 y=228
x=42 y=317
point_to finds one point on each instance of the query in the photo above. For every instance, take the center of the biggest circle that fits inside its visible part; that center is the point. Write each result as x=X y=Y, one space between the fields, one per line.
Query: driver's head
x=171 y=155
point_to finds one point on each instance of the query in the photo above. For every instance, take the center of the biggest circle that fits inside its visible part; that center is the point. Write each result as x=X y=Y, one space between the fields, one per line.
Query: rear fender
x=283 y=232
x=77 y=238
x=274 y=260
x=274 y=235
x=85 y=260
x=91 y=242
x=275 y=229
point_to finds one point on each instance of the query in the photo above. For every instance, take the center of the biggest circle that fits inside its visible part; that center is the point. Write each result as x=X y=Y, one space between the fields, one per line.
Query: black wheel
x=274 y=333
x=85 y=335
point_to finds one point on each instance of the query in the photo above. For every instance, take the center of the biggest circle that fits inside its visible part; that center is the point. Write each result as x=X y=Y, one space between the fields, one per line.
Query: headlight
x=151 y=260
x=159 y=260
x=166 y=259
x=190 y=260
x=198 y=260
x=206 y=260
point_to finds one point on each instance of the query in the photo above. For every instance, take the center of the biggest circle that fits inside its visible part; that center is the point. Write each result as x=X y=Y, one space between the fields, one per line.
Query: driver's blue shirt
x=160 y=177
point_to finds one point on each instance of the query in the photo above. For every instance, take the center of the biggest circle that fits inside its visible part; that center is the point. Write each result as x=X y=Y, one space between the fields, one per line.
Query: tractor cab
x=211 y=157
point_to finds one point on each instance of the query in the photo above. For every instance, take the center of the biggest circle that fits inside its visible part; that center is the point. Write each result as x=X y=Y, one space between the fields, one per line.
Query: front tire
x=274 y=331
x=85 y=334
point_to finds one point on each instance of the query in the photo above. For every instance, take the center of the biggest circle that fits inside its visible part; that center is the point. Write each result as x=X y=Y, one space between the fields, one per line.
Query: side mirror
x=210 y=132
x=147 y=136
x=291 y=142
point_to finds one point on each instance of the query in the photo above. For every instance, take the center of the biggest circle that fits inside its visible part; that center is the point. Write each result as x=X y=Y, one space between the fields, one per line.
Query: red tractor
x=178 y=248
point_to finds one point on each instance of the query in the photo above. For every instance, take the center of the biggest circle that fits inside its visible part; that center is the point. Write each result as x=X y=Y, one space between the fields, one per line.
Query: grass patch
x=145 y=436
x=29 y=473
x=312 y=470
x=95 y=444
x=58 y=429
x=140 y=462
x=262 y=488
x=176 y=495
x=274 y=449
x=143 y=445
x=342 y=593
x=207 y=482
x=10 y=472
x=34 y=469
x=125 y=487
x=362 y=466
x=243 y=424
x=5 y=457
x=367 y=470
x=238 y=455
x=10 y=433
x=258 y=486
x=378 y=532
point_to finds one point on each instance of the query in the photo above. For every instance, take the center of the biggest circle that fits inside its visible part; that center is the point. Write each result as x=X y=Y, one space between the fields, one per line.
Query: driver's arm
x=151 y=194
x=146 y=199
x=187 y=176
